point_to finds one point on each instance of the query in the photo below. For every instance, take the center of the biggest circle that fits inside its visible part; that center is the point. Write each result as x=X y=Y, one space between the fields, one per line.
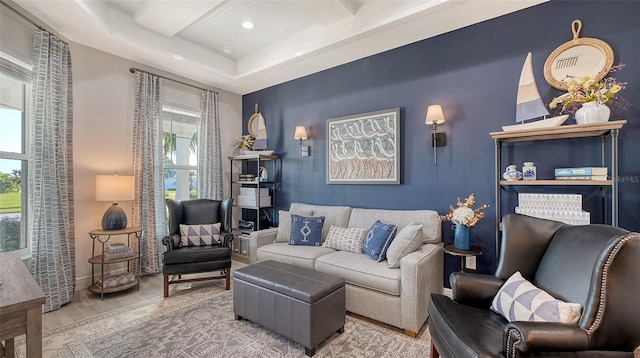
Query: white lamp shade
x=434 y=115
x=301 y=133
x=114 y=187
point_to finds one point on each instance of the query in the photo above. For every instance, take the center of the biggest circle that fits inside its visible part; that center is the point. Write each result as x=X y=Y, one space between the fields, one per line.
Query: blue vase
x=462 y=238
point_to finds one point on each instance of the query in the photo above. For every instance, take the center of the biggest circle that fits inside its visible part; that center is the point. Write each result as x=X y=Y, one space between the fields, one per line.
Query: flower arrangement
x=587 y=89
x=465 y=214
x=244 y=142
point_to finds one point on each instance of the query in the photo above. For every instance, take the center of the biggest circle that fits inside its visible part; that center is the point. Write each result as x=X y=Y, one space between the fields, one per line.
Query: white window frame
x=24 y=175
x=182 y=189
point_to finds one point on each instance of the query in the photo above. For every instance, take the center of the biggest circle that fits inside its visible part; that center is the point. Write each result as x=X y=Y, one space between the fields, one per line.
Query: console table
x=21 y=302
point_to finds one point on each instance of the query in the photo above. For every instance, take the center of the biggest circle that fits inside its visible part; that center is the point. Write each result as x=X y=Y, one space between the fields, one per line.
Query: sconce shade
x=434 y=115
x=114 y=188
x=301 y=133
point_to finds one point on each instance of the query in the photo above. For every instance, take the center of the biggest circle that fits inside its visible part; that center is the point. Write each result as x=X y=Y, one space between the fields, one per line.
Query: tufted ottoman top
x=297 y=282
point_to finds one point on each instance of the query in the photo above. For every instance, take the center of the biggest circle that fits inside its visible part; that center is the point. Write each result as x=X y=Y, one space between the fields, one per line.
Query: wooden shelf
x=253 y=157
x=560 y=132
x=556 y=182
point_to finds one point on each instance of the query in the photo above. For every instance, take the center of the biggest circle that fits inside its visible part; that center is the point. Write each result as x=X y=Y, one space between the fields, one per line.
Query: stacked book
x=249 y=197
x=117 y=251
x=581 y=173
x=566 y=208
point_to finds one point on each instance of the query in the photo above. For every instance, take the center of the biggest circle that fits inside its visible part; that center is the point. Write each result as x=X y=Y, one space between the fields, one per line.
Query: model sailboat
x=260 y=142
x=529 y=105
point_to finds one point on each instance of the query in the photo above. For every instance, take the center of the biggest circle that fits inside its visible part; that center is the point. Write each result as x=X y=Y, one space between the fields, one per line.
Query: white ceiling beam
x=326 y=12
x=170 y=17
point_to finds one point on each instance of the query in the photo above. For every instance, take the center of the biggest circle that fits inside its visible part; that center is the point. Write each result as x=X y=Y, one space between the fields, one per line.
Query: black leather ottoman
x=301 y=304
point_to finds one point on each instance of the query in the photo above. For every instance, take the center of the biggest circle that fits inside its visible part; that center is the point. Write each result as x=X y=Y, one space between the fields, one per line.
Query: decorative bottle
x=512 y=174
x=529 y=171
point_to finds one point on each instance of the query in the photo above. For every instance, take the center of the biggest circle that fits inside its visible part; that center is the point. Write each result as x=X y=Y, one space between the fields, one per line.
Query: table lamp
x=114 y=188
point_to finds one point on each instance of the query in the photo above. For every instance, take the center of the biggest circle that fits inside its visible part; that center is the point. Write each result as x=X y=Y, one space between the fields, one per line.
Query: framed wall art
x=364 y=148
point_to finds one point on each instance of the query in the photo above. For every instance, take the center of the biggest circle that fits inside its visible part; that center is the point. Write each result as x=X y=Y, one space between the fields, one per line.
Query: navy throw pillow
x=306 y=230
x=378 y=240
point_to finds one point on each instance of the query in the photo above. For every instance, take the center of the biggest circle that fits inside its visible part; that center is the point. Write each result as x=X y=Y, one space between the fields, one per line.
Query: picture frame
x=364 y=148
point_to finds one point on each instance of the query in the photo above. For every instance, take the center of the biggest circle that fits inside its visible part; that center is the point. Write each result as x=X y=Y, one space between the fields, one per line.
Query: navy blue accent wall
x=473 y=73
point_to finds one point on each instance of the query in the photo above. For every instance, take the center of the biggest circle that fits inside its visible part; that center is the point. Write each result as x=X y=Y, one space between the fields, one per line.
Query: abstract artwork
x=364 y=148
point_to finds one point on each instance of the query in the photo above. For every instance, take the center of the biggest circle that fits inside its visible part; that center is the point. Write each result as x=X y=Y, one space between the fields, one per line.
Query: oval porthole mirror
x=579 y=57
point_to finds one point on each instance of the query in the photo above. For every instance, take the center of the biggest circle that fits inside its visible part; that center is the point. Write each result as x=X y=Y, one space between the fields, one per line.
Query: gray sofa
x=396 y=296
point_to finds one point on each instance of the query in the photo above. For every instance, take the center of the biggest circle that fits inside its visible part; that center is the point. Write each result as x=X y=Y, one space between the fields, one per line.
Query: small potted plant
x=464 y=217
x=589 y=100
x=244 y=144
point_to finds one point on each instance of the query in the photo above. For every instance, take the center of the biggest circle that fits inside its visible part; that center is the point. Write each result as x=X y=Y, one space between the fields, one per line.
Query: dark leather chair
x=178 y=260
x=597 y=266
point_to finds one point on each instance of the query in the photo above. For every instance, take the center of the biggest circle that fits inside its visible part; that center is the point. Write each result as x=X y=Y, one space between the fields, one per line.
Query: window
x=13 y=164
x=180 y=148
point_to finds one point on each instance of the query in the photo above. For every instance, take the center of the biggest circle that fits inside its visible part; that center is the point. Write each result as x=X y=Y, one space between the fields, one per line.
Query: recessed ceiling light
x=178 y=57
x=299 y=53
x=247 y=25
x=227 y=50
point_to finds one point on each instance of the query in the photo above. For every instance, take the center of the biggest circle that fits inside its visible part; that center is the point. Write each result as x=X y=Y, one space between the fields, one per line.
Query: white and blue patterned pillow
x=345 y=238
x=519 y=300
x=200 y=235
x=378 y=240
x=306 y=230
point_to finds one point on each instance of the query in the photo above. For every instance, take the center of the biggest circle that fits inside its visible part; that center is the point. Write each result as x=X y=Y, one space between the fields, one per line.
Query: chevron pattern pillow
x=519 y=300
x=345 y=239
x=200 y=235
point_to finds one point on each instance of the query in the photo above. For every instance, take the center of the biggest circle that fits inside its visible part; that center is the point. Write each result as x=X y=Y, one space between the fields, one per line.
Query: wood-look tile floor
x=87 y=304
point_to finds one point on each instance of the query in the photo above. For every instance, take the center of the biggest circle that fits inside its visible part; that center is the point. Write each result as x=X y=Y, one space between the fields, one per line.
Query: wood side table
x=452 y=250
x=21 y=301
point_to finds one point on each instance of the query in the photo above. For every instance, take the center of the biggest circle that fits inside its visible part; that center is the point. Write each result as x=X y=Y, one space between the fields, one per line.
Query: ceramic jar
x=592 y=112
x=529 y=171
x=512 y=174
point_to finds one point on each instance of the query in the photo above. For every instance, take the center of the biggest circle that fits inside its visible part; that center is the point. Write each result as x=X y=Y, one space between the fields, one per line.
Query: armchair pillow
x=345 y=239
x=378 y=239
x=519 y=300
x=306 y=230
x=200 y=235
x=408 y=240
x=284 y=224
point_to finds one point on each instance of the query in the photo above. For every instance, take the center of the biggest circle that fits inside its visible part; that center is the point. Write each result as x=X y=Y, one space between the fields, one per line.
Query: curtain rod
x=24 y=17
x=134 y=70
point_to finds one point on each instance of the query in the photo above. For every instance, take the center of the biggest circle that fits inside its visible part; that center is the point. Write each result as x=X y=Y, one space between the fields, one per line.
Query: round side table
x=451 y=250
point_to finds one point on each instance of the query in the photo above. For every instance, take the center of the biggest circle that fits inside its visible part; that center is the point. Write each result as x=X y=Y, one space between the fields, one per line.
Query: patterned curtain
x=50 y=177
x=148 y=203
x=209 y=150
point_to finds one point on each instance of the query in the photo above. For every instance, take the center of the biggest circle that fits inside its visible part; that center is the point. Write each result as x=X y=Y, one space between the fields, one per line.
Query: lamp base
x=114 y=218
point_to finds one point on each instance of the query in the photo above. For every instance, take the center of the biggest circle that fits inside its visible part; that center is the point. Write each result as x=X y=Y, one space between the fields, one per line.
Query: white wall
x=103 y=105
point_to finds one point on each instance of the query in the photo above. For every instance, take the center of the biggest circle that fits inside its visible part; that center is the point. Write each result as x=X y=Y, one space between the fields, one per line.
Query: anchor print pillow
x=306 y=230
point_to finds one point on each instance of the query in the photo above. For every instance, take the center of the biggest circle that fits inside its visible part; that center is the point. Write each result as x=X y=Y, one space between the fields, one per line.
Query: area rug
x=200 y=323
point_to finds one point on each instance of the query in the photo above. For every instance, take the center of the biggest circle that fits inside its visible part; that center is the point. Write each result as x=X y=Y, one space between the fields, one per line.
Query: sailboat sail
x=260 y=141
x=529 y=105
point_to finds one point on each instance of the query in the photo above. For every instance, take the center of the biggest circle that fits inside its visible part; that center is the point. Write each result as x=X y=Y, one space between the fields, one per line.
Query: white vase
x=592 y=112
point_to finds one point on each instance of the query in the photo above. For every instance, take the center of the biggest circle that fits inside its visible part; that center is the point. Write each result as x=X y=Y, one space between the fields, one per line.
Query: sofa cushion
x=360 y=270
x=346 y=239
x=430 y=220
x=302 y=256
x=378 y=240
x=200 y=235
x=333 y=215
x=306 y=230
x=284 y=224
x=407 y=240
x=519 y=300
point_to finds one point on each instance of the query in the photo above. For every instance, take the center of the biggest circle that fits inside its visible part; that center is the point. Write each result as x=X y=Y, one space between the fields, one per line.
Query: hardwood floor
x=86 y=304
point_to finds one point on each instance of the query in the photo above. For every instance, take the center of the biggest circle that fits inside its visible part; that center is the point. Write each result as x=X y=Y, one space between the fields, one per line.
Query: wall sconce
x=435 y=117
x=301 y=134
x=114 y=188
